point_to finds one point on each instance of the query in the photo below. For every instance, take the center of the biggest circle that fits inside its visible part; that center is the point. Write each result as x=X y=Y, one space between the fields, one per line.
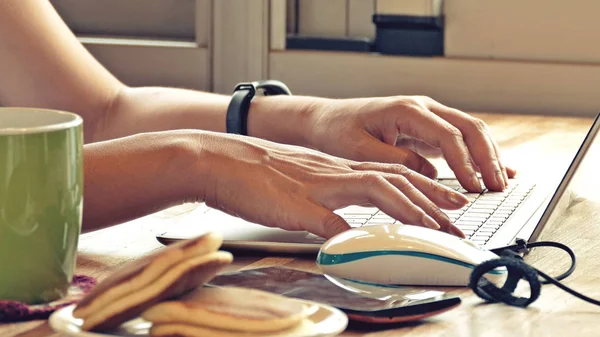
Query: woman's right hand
x=295 y=188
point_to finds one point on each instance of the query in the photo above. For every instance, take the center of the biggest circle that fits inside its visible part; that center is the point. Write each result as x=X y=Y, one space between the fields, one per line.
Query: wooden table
x=535 y=144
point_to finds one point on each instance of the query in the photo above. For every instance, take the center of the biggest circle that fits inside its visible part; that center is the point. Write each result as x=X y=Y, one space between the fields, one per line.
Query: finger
x=321 y=221
x=435 y=131
x=439 y=194
x=373 y=188
x=508 y=171
x=502 y=167
x=483 y=152
x=477 y=137
x=374 y=150
x=425 y=204
x=418 y=147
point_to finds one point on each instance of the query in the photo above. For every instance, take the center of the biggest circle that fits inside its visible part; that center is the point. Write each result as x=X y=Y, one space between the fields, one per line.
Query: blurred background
x=510 y=56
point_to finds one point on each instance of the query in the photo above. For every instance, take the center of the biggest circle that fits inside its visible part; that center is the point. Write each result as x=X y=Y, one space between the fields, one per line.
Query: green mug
x=41 y=202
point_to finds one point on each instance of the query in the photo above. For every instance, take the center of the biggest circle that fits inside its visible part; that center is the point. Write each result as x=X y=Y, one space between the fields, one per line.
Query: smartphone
x=363 y=302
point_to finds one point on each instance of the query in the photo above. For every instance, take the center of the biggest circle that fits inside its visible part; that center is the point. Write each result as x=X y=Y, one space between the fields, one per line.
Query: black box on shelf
x=351 y=44
x=409 y=35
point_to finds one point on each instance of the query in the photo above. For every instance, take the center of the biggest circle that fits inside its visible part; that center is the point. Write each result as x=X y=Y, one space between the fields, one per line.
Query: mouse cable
x=521 y=246
x=517 y=270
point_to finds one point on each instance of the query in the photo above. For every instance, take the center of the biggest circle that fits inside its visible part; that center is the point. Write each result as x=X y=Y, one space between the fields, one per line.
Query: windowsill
x=137 y=41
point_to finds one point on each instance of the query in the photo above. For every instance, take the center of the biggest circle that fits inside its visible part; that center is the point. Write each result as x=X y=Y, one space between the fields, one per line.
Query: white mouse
x=404 y=255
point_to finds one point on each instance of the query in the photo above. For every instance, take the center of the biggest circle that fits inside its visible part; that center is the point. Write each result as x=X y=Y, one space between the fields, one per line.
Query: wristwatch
x=237 y=111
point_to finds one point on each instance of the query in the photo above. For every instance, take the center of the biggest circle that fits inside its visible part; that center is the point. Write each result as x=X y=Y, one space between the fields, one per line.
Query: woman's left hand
x=401 y=129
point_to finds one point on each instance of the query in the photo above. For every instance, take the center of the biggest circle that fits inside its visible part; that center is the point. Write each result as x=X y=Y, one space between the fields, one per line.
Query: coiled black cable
x=517 y=269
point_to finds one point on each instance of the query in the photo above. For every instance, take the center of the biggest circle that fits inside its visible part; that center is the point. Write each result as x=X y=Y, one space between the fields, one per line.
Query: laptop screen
x=579 y=183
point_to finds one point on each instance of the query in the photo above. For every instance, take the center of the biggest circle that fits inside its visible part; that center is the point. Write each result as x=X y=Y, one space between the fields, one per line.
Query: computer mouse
x=402 y=254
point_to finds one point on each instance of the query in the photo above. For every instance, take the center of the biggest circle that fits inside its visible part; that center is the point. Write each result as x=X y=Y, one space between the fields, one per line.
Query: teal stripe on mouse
x=401 y=254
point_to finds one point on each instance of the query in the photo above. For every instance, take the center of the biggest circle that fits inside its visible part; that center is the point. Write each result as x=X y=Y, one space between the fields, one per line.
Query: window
x=145 y=42
x=537 y=56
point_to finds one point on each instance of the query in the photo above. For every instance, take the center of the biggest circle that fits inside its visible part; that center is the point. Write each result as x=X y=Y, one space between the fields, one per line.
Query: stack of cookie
x=227 y=311
x=167 y=289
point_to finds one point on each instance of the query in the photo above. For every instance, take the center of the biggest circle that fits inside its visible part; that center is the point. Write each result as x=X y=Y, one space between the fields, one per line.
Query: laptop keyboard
x=480 y=219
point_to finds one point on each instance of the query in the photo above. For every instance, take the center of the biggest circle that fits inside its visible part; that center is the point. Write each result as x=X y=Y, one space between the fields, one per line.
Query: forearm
x=134 y=176
x=282 y=119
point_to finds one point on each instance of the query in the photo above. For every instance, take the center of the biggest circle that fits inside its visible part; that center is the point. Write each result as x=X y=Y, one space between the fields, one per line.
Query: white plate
x=325 y=321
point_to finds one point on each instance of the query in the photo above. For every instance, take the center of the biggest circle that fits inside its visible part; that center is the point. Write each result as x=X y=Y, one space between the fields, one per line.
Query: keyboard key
x=480 y=237
x=485 y=232
x=486 y=203
x=479 y=205
x=491 y=226
x=479 y=212
x=495 y=194
x=354 y=222
x=474 y=217
x=382 y=217
x=511 y=205
x=491 y=198
x=513 y=197
x=498 y=218
x=356 y=217
x=468 y=227
x=467 y=233
x=468 y=224
x=461 y=222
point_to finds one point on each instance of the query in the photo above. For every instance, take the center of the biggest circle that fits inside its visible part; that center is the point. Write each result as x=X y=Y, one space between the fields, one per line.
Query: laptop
x=491 y=219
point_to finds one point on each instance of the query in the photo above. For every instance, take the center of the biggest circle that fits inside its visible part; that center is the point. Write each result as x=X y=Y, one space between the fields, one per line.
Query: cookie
x=173 y=283
x=230 y=308
x=166 y=274
x=139 y=273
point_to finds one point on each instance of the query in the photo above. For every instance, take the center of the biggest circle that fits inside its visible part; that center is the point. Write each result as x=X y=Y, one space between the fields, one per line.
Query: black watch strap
x=237 y=112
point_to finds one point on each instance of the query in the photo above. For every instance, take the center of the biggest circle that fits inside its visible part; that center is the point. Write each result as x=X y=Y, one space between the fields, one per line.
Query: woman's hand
x=401 y=129
x=298 y=189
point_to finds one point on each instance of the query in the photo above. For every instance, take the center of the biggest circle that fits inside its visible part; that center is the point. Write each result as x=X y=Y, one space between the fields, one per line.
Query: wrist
x=285 y=119
x=185 y=165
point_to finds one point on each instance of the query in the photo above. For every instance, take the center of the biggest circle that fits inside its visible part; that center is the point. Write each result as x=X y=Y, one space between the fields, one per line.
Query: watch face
x=272 y=88
x=261 y=92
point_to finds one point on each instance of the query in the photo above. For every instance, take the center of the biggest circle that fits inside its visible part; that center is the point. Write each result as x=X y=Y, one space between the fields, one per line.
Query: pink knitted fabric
x=14 y=311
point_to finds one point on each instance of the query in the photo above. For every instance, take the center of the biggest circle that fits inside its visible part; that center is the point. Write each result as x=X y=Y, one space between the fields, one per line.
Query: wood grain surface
x=536 y=145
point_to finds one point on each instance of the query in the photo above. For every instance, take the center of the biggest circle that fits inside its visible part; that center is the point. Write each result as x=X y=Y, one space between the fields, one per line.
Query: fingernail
x=429 y=222
x=476 y=183
x=500 y=180
x=457 y=198
x=430 y=172
x=456 y=231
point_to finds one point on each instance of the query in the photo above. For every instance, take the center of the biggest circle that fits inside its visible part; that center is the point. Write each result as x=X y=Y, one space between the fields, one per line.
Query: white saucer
x=325 y=321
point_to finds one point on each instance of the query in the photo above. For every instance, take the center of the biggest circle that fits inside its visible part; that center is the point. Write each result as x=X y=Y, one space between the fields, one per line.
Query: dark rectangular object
x=409 y=35
x=329 y=43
